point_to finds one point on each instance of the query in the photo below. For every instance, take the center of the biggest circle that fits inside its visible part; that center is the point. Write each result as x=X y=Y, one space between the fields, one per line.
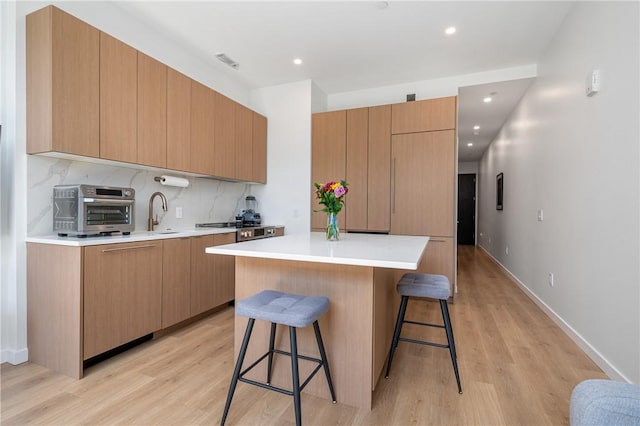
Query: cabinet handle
x=128 y=248
x=437 y=240
x=393 y=186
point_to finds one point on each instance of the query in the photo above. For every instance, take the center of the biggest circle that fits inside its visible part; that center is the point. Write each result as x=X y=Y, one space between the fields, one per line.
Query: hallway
x=517 y=367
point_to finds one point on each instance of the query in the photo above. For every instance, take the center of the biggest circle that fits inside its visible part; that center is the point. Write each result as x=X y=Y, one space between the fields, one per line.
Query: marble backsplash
x=204 y=200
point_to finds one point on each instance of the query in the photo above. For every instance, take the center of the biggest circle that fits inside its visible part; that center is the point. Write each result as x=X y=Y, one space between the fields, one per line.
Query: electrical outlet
x=551 y=283
x=540 y=215
x=178 y=212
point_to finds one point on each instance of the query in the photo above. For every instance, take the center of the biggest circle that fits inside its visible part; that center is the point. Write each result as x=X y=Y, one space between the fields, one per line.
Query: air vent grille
x=227 y=60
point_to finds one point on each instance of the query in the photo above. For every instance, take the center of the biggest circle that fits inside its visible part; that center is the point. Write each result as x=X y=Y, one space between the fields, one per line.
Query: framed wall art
x=499 y=191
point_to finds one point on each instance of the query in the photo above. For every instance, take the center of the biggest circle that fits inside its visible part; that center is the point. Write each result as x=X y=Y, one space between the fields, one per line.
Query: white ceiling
x=353 y=45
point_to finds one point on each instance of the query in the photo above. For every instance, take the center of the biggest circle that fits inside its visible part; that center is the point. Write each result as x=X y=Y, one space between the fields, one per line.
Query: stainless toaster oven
x=82 y=210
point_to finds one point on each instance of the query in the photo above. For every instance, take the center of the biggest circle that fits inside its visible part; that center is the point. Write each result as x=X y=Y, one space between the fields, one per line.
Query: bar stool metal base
x=448 y=329
x=296 y=387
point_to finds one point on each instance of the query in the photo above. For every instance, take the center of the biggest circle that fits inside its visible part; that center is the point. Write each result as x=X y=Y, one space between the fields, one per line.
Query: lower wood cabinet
x=439 y=258
x=176 y=281
x=212 y=276
x=84 y=301
x=122 y=294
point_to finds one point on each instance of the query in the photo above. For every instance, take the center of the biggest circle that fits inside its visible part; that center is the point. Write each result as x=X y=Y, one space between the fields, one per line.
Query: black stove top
x=228 y=225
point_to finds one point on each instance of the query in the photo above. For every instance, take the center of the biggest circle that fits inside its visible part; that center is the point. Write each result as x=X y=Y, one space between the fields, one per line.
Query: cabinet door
x=328 y=159
x=424 y=116
x=178 y=121
x=202 y=275
x=224 y=139
x=259 y=164
x=122 y=294
x=63 y=84
x=176 y=281
x=244 y=143
x=152 y=112
x=225 y=271
x=439 y=258
x=379 y=174
x=118 y=100
x=357 y=168
x=203 y=103
x=423 y=184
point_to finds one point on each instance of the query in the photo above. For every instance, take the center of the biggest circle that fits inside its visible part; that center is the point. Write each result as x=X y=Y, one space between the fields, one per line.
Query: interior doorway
x=467 y=209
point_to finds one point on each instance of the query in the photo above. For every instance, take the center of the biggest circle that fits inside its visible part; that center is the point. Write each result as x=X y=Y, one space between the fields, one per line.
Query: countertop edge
x=136 y=236
x=315 y=259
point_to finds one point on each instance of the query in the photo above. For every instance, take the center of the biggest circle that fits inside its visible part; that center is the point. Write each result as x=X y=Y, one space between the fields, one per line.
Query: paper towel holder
x=172 y=181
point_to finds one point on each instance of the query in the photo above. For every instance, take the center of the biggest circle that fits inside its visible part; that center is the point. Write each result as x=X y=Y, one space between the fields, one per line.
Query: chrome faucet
x=151 y=221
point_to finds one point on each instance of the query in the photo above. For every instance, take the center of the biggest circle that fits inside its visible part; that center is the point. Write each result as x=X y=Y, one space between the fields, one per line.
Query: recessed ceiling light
x=470 y=144
x=487 y=100
x=476 y=127
x=297 y=61
x=450 y=30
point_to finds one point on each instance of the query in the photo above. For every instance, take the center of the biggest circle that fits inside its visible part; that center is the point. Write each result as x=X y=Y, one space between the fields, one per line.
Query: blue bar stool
x=293 y=311
x=433 y=287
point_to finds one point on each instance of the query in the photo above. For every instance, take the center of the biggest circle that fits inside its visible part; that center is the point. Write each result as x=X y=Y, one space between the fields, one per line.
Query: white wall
x=287 y=197
x=13 y=198
x=576 y=157
x=467 y=167
x=424 y=89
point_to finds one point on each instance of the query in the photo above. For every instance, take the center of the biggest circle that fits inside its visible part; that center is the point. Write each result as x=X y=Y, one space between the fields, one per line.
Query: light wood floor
x=516 y=367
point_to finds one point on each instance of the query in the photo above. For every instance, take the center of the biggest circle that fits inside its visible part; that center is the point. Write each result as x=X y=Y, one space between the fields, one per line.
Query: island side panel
x=386 y=304
x=54 y=307
x=347 y=328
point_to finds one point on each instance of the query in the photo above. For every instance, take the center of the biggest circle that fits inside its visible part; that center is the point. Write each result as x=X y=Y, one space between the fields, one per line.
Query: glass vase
x=333 y=233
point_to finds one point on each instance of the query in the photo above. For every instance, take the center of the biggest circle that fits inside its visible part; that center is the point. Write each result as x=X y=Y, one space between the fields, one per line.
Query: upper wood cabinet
x=152 y=112
x=224 y=141
x=63 y=84
x=178 y=121
x=243 y=143
x=424 y=116
x=364 y=136
x=118 y=100
x=92 y=95
x=203 y=104
x=329 y=156
x=423 y=168
x=259 y=164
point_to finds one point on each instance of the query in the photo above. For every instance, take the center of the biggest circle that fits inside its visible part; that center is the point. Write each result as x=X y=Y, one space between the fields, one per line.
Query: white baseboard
x=608 y=368
x=14 y=357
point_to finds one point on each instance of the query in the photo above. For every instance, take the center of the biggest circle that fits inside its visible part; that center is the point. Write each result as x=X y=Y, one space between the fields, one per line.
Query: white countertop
x=383 y=251
x=135 y=236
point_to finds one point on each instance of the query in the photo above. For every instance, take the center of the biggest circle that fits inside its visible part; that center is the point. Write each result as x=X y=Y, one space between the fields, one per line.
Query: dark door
x=467 y=209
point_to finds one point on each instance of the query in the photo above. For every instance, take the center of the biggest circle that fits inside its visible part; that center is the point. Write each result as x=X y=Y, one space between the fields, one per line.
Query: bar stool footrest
x=241 y=378
x=422 y=342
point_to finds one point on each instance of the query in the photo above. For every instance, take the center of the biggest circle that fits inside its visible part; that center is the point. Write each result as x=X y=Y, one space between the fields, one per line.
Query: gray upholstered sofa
x=605 y=402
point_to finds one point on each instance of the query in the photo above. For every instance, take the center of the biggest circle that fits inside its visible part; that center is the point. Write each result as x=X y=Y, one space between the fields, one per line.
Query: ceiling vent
x=227 y=60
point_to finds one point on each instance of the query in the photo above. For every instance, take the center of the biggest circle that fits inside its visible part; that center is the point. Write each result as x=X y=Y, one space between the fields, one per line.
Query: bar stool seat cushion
x=424 y=285
x=282 y=308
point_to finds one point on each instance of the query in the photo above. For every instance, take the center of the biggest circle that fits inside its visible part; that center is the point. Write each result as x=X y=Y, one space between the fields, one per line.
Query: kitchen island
x=357 y=274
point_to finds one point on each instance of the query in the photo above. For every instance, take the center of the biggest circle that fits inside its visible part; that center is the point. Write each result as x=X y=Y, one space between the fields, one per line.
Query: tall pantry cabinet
x=423 y=151
x=354 y=145
x=399 y=161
